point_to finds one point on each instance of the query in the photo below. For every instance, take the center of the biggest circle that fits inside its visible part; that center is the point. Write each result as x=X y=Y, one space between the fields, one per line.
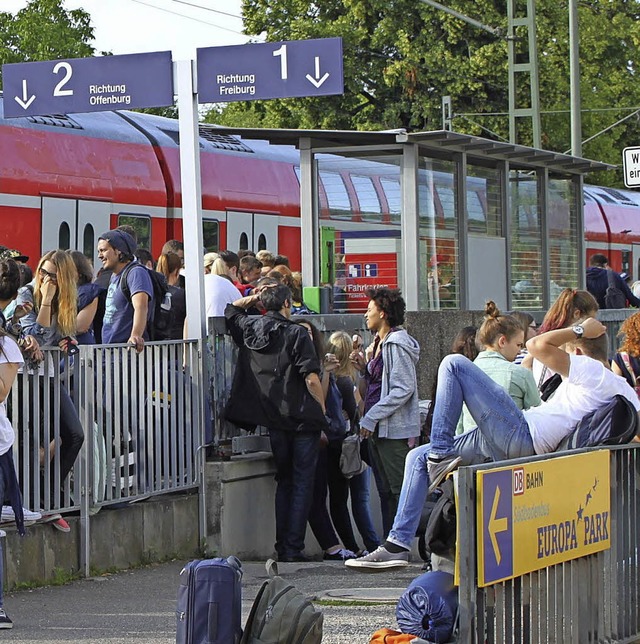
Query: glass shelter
x=451 y=219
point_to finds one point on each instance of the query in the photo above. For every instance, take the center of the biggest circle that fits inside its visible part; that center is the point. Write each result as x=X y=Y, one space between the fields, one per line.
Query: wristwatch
x=578 y=329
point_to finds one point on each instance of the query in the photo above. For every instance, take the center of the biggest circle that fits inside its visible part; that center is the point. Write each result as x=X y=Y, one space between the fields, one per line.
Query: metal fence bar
x=590 y=599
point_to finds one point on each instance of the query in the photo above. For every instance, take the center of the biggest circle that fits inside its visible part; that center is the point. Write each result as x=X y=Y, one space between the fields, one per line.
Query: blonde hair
x=341 y=345
x=208 y=260
x=495 y=324
x=219 y=267
x=65 y=302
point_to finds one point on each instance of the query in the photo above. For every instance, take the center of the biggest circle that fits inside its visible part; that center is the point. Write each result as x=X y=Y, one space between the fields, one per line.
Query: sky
x=136 y=26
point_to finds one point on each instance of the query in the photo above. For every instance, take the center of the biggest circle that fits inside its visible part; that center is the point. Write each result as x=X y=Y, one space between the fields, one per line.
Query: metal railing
x=595 y=598
x=142 y=420
x=222 y=355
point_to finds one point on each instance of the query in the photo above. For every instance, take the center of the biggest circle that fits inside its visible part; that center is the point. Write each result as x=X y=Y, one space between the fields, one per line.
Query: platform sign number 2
x=63 y=67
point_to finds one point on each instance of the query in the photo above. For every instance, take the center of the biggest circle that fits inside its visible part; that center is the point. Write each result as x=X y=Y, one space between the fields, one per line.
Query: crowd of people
x=508 y=389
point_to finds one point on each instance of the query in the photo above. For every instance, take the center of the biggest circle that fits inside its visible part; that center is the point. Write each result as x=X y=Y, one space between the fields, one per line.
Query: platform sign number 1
x=282 y=52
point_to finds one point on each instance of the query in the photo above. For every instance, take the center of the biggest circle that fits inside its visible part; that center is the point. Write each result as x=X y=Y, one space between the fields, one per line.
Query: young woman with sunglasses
x=52 y=322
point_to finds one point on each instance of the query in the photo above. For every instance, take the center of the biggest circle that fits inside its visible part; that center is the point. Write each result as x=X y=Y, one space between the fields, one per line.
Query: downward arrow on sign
x=317 y=81
x=24 y=102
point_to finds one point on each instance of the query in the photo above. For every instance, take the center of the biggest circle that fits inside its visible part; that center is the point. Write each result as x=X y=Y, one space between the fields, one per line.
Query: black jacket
x=598 y=282
x=269 y=386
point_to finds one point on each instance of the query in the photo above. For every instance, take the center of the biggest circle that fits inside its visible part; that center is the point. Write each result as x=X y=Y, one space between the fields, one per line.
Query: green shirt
x=515 y=379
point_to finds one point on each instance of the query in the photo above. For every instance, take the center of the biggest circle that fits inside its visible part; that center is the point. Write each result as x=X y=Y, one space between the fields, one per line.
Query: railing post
x=466 y=553
x=84 y=385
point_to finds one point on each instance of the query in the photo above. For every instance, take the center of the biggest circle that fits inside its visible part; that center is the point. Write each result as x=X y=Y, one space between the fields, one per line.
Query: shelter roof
x=439 y=140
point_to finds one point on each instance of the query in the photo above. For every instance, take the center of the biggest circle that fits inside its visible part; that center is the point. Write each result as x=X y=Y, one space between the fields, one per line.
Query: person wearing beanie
x=125 y=318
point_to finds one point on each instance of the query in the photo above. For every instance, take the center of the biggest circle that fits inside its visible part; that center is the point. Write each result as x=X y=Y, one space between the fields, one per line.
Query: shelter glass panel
x=484 y=202
x=439 y=257
x=526 y=241
x=564 y=237
x=359 y=204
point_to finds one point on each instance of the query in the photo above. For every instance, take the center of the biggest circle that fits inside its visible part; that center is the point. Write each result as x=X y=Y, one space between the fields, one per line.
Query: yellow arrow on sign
x=496 y=525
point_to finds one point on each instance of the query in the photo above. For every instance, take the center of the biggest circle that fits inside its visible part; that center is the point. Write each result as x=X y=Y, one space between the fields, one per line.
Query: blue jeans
x=295 y=454
x=502 y=433
x=360 y=495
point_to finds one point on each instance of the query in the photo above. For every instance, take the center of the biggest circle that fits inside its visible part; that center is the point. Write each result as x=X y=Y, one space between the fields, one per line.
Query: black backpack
x=160 y=320
x=614 y=298
x=437 y=530
x=616 y=423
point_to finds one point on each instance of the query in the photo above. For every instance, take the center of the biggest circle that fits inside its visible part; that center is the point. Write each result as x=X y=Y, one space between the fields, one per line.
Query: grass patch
x=352 y=602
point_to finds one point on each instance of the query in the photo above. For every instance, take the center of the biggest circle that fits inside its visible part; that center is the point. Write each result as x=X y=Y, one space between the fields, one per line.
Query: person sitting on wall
x=503 y=431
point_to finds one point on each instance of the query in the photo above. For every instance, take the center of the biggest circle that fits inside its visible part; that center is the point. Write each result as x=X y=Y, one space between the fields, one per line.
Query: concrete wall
x=141 y=533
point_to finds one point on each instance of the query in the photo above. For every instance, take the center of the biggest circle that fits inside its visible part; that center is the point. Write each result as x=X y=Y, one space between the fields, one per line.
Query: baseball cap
x=12 y=253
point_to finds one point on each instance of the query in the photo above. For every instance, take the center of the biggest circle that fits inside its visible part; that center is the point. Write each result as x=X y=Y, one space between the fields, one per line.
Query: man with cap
x=125 y=319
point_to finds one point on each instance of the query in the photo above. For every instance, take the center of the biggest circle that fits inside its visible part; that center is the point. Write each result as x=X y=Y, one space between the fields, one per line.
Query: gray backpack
x=281 y=614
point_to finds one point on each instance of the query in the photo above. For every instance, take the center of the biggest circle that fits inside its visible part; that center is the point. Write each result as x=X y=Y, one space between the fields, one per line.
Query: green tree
x=402 y=56
x=44 y=30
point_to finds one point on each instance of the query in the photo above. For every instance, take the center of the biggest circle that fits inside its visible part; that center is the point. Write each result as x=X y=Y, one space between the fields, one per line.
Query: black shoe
x=5 y=621
x=297 y=558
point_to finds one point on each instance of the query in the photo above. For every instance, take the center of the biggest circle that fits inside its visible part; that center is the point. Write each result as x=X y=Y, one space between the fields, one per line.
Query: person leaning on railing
x=52 y=321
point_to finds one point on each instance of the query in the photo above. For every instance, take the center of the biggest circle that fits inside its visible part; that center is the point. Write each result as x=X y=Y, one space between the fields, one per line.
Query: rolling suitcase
x=210 y=602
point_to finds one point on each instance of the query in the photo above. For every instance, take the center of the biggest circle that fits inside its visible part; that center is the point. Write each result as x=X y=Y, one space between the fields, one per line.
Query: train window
x=64 y=236
x=370 y=208
x=88 y=241
x=484 y=201
x=262 y=242
x=337 y=195
x=392 y=192
x=210 y=235
x=243 y=244
x=141 y=224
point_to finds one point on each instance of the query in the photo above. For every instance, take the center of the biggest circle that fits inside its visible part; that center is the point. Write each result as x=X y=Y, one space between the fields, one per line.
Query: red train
x=66 y=178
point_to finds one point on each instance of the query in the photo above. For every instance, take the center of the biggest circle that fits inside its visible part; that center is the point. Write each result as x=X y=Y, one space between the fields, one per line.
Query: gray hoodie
x=396 y=413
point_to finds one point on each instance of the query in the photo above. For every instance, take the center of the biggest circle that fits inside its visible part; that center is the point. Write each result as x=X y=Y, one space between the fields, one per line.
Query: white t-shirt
x=9 y=352
x=218 y=292
x=589 y=386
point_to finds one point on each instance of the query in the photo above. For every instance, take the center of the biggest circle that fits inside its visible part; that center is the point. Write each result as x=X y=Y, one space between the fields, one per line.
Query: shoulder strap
x=627 y=363
x=542 y=375
x=124 y=285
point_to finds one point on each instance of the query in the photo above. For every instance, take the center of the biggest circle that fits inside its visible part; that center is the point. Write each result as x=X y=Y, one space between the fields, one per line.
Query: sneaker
x=8 y=516
x=341 y=555
x=50 y=518
x=5 y=621
x=438 y=470
x=61 y=524
x=380 y=559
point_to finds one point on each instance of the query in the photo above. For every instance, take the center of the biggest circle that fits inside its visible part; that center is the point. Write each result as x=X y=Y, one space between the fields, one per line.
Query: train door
x=74 y=224
x=252 y=231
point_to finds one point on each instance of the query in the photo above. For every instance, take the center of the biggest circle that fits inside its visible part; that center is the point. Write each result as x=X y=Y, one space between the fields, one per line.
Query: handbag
x=351 y=463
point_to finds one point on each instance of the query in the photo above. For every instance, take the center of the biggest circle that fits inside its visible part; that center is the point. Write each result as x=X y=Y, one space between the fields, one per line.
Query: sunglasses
x=51 y=276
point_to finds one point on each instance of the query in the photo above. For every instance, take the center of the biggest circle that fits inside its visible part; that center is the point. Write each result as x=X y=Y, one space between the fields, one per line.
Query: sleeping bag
x=429 y=606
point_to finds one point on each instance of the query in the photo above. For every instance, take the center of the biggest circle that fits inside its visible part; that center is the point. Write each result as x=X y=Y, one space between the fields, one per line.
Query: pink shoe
x=61 y=524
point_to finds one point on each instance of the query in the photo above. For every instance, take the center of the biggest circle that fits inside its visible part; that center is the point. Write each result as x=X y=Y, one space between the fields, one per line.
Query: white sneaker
x=8 y=515
x=380 y=559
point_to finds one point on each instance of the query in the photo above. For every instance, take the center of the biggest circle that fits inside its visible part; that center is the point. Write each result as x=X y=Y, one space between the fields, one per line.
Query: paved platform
x=138 y=606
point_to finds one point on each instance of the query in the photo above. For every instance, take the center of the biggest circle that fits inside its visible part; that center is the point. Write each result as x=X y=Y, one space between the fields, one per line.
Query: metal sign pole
x=191 y=192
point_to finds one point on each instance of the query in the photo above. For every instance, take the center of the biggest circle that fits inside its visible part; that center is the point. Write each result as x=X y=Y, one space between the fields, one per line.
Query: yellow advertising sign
x=538 y=514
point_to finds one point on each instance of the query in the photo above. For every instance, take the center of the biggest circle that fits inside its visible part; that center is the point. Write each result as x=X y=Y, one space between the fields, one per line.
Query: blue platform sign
x=270 y=70
x=88 y=84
